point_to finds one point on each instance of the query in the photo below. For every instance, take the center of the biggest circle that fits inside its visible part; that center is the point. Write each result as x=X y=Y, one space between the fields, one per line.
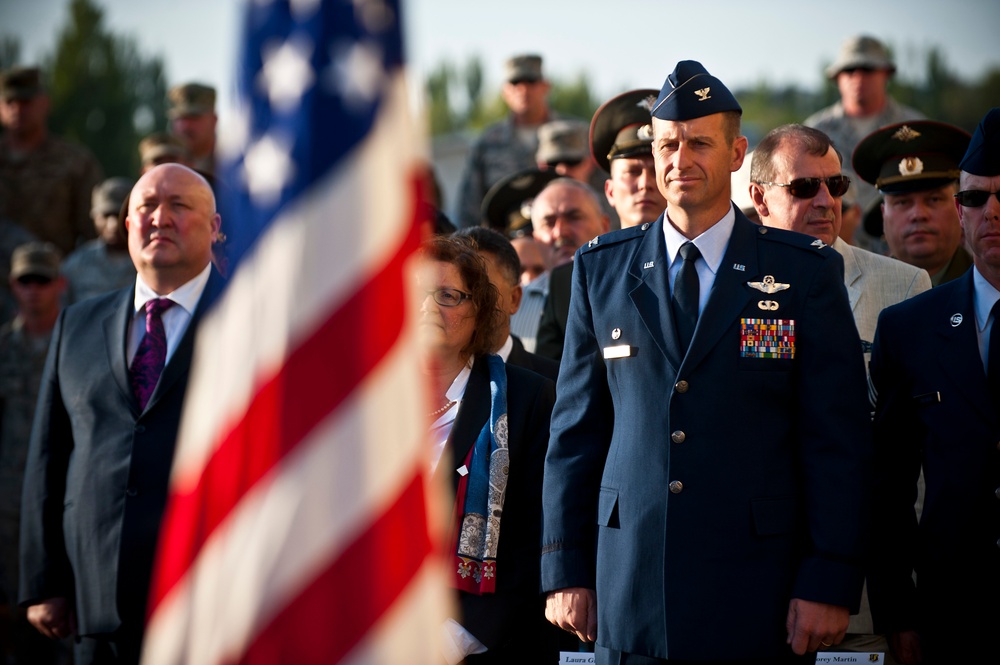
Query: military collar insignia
x=818 y=244
x=768 y=285
x=703 y=94
x=911 y=166
x=905 y=133
x=956 y=320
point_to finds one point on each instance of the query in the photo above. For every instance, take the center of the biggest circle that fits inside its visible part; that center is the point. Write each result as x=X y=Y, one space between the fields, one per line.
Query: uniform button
x=678 y=437
x=681 y=386
x=645 y=226
x=762 y=230
x=139 y=429
x=676 y=486
x=131 y=491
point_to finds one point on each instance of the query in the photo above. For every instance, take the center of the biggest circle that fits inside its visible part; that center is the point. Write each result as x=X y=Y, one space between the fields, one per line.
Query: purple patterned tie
x=152 y=353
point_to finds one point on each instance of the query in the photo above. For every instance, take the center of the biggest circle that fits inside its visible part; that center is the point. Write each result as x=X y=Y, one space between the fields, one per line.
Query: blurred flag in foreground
x=296 y=529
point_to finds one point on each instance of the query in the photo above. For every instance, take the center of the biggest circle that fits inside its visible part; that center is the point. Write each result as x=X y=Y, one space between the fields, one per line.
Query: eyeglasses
x=449 y=297
x=975 y=198
x=807 y=188
x=41 y=280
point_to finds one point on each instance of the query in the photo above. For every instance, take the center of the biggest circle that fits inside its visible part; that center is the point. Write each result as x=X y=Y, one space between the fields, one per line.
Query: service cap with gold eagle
x=507 y=205
x=621 y=127
x=911 y=156
x=983 y=156
x=691 y=92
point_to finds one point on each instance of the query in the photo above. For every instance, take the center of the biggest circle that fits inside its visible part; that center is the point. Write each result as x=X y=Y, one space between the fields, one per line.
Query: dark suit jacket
x=713 y=486
x=552 y=325
x=934 y=410
x=512 y=620
x=522 y=358
x=98 y=469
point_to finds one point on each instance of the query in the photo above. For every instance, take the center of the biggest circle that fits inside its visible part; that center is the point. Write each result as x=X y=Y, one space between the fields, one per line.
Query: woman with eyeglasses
x=489 y=429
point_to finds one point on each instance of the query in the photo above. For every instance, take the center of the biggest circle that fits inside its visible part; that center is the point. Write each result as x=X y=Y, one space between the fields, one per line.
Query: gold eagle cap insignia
x=906 y=133
x=703 y=94
x=647 y=103
x=768 y=285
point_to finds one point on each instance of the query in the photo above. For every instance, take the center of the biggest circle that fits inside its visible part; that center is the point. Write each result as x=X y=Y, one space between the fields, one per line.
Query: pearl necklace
x=435 y=414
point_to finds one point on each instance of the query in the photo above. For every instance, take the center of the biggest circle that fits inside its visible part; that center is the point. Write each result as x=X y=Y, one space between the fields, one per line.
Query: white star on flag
x=356 y=72
x=286 y=73
x=267 y=168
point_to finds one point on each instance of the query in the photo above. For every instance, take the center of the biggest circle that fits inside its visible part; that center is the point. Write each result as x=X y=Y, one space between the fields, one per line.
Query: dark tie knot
x=689 y=251
x=158 y=306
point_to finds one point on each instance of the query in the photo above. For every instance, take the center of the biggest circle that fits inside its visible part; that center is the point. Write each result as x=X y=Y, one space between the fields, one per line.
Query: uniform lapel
x=651 y=295
x=729 y=292
x=852 y=272
x=959 y=350
x=115 y=340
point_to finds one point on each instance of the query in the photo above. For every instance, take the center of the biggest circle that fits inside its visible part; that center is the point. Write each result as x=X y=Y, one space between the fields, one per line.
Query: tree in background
x=105 y=93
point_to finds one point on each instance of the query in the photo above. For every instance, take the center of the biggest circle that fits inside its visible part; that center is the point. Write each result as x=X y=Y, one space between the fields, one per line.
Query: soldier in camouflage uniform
x=37 y=287
x=193 y=121
x=45 y=182
x=509 y=145
x=102 y=264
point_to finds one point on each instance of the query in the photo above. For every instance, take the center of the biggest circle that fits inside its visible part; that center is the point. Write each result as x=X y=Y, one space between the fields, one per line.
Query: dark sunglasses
x=41 y=280
x=806 y=188
x=975 y=198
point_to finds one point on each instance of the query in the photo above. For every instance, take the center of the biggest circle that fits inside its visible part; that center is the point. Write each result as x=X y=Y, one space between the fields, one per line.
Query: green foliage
x=105 y=93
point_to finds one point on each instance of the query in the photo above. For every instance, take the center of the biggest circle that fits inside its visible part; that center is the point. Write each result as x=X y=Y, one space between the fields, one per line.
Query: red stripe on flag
x=315 y=379
x=337 y=608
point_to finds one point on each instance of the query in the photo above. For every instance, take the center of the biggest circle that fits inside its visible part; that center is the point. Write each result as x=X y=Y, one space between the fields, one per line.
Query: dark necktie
x=152 y=353
x=685 y=299
x=993 y=353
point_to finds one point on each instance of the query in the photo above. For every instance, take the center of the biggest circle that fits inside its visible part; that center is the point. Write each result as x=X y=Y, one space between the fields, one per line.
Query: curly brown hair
x=472 y=268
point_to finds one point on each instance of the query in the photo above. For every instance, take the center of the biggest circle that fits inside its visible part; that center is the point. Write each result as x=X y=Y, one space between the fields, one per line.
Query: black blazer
x=512 y=620
x=540 y=365
x=552 y=325
x=98 y=468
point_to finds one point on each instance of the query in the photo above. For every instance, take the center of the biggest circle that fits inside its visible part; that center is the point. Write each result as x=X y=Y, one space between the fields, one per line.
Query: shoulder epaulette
x=795 y=239
x=615 y=237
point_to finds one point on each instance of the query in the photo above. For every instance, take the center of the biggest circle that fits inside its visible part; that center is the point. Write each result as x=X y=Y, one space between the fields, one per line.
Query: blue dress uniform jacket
x=98 y=468
x=934 y=409
x=700 y=492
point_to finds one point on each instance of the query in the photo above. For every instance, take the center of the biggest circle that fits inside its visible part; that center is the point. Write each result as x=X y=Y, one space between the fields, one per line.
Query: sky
x=618 y=44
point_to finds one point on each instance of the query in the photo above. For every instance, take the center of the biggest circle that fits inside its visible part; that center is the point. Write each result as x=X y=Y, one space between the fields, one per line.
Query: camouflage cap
x=20 y=83
x=191 y=99
x=35 y=258
x=507 y=205
x=108 y=196
x=159 y=148
x=562 y=141
x=861 y=52
x=523 y=68
x=621 y=127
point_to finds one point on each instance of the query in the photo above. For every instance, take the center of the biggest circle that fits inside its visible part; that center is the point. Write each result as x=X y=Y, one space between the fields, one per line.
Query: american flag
x=297 y=528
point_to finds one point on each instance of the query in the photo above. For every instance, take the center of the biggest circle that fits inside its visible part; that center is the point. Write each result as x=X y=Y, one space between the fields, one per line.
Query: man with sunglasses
x=707 y=475
x=37 y=285
x=796 y=184
x=509 y=145
x=935 y=371
x=914 y=165
x=862 y=72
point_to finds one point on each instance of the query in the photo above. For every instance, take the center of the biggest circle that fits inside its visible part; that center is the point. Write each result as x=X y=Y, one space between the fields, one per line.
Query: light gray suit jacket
x=873 y=283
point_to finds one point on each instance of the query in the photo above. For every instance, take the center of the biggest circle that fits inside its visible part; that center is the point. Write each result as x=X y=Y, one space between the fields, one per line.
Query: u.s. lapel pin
x=956 y=320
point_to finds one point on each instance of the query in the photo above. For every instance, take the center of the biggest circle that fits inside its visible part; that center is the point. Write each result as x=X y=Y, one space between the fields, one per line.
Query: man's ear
x=757 y=196
x=516 y=295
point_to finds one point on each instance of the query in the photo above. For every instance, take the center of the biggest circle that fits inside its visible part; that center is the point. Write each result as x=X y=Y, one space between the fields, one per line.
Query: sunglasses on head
x=806 y=188
x=569 y=163
x=975 y=198
x=25 y=280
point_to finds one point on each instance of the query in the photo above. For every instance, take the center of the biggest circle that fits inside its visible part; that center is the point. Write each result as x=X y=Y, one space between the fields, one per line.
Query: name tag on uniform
x=620 y=351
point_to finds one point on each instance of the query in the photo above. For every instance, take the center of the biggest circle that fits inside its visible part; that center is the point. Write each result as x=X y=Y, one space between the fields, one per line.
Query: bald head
x=171 y=225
